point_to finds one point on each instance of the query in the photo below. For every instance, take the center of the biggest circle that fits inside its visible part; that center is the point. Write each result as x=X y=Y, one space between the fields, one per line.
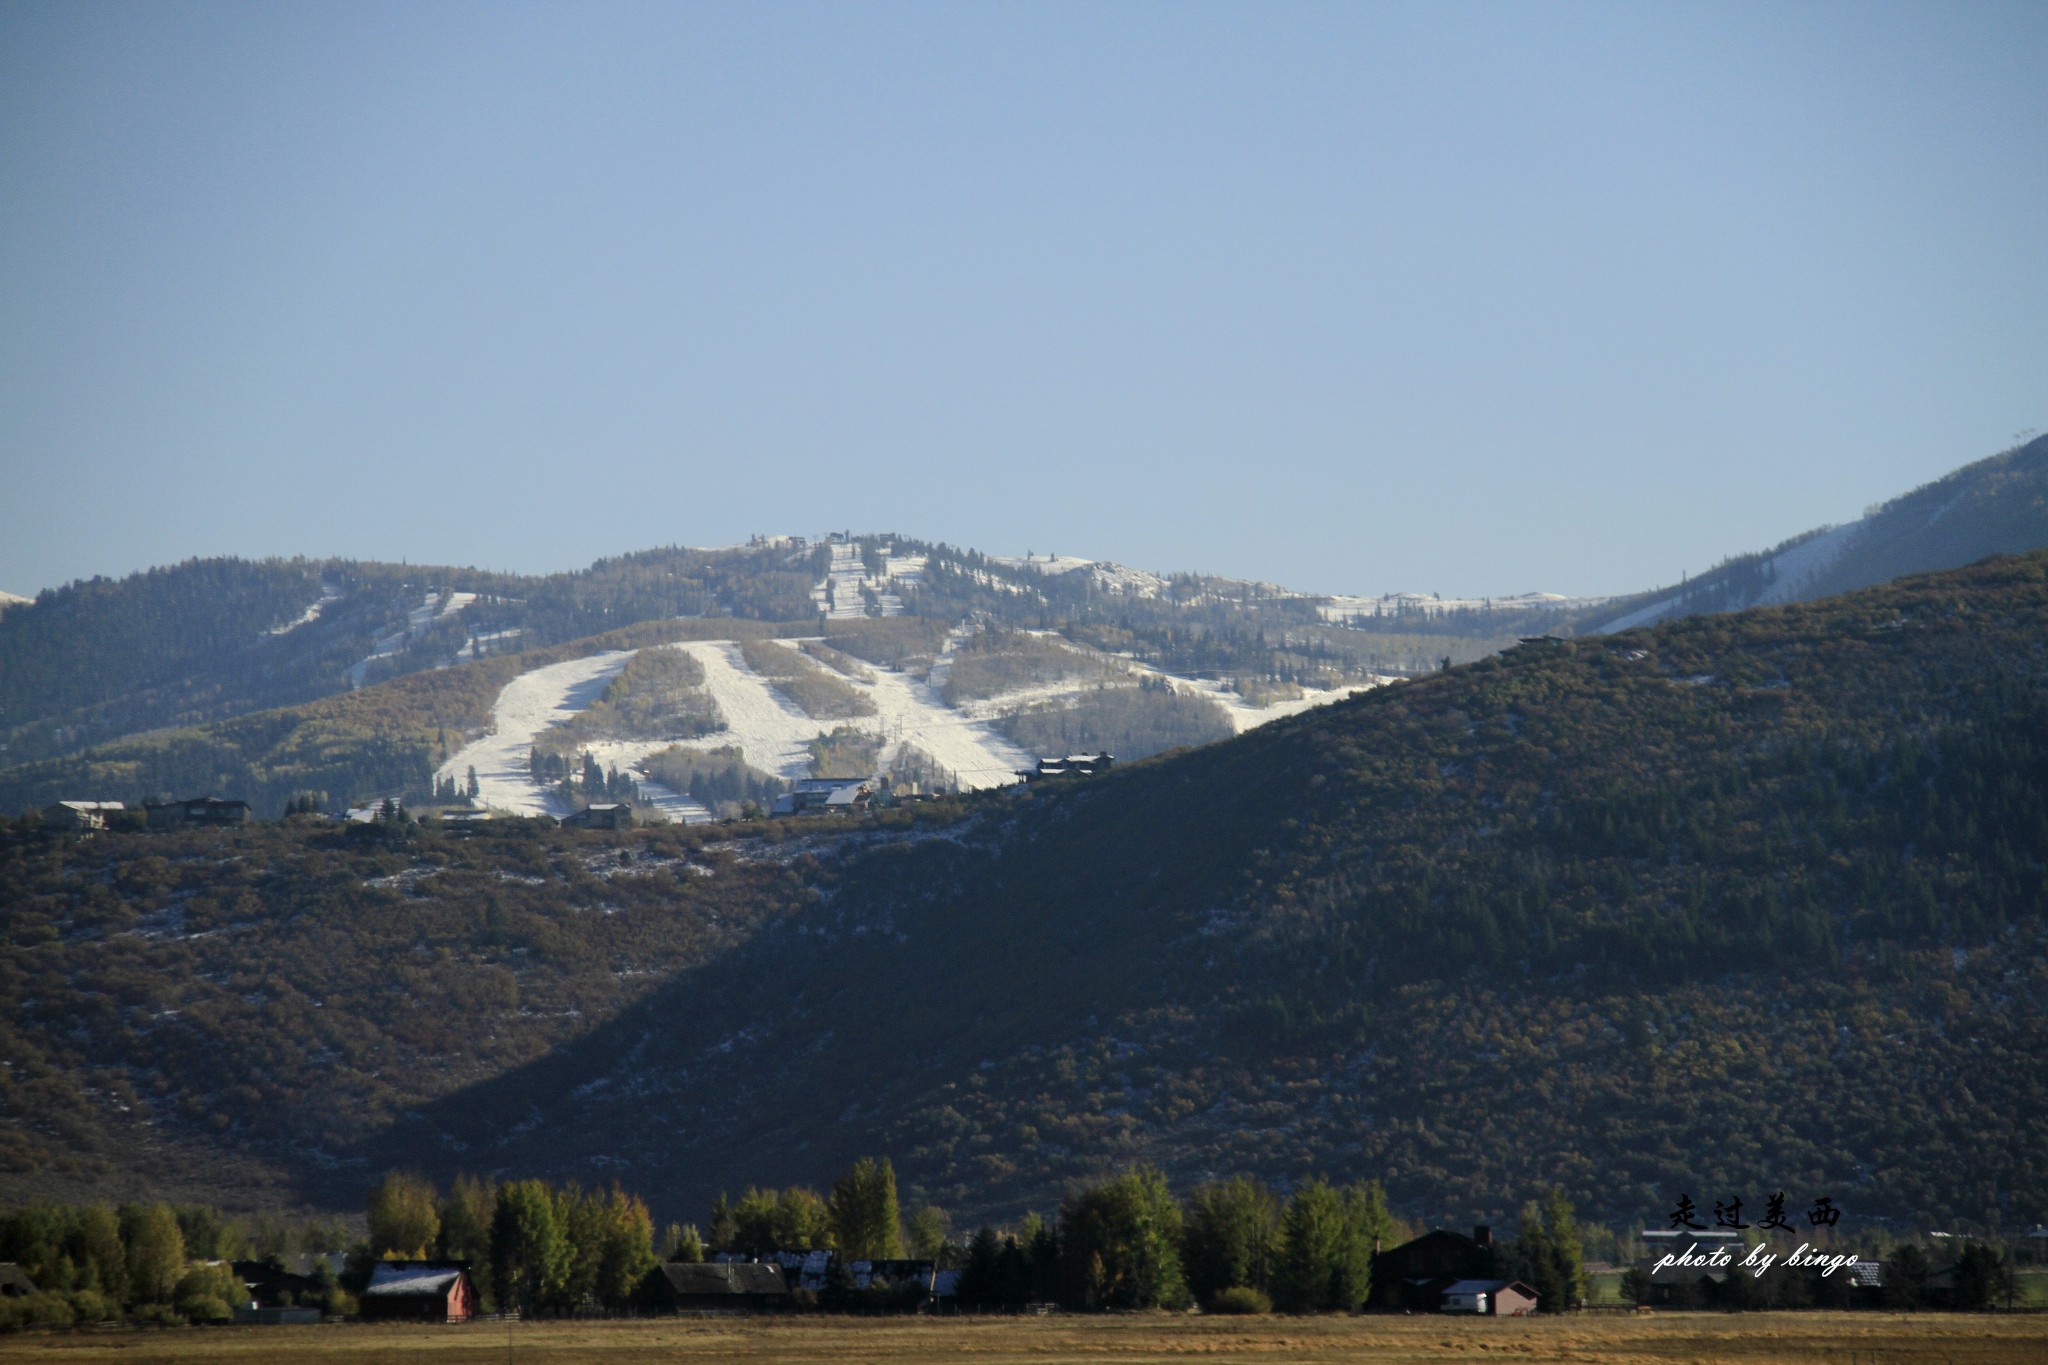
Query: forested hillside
x=1742 y=903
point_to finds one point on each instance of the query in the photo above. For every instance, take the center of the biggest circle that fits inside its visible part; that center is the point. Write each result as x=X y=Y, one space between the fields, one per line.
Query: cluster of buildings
x=444 y=1291
x=84 y=817
x=1073 y=765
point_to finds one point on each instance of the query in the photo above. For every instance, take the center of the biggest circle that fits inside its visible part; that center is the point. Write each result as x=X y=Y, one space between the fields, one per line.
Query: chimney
x=1483 y=1235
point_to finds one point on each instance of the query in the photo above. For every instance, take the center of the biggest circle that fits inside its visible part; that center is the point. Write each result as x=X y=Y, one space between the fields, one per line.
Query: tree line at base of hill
x=1126 y=1242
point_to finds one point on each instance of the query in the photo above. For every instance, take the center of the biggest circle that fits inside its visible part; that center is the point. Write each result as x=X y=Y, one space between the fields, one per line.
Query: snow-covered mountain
x=1995 y=506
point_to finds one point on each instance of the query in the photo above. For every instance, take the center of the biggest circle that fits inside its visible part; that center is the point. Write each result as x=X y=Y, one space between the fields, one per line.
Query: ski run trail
x=773 y=733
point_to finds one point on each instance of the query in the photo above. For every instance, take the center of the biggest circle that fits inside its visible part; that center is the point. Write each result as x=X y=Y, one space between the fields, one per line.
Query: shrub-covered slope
x=222 y=1013
x=1743 y=903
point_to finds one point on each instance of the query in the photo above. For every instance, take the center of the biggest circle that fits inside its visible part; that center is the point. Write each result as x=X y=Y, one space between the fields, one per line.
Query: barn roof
x=397 y=1279
x=734 y=1277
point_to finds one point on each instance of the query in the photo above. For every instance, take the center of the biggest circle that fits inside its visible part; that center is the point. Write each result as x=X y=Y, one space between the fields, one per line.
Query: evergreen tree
x=1230 y=1236
x=1549 y=1253
x=980 y=1280
x=1325 y=1259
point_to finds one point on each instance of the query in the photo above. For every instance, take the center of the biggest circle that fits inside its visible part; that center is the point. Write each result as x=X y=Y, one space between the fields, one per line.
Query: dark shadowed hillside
x=1742 y=901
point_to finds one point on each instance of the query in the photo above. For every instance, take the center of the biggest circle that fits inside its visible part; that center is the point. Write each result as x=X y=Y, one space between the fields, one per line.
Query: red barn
x=420 y=1291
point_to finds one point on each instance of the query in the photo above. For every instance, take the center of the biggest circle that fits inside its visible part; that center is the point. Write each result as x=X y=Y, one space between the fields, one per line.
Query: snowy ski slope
x=529 y=704
x=769 y=729
x=774 y=734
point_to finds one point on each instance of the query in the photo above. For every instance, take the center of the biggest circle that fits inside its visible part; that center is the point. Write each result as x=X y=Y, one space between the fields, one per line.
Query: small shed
x=14 y=1281
x=1494 y=1298
x=698 y=1287
x=80 y=816
x=419 y=1291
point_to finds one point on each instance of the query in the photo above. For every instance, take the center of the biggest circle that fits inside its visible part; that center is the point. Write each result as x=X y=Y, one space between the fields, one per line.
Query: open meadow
x=1617 y=1339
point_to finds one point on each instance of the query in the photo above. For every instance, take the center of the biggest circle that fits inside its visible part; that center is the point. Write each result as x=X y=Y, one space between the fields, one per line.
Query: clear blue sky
x=1460 y=297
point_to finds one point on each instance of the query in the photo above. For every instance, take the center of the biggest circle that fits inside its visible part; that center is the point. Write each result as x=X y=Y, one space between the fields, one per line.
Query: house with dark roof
x=81 y=817
x=1073 y=765
x=704 y=1287
x=1413 y=1276
x=825 y=796
x=271 y=1287
x=197 y=810
x=419 y=1291
x=14 y=1281
x=601 y=815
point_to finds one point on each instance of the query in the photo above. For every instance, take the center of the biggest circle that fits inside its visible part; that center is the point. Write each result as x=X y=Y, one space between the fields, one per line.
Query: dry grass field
x=1618 y=1339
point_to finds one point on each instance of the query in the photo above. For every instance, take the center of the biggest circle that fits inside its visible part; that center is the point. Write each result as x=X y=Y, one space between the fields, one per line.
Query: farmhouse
x=79 y=816
x=419 y=1291
x=1414 y=1276
x=695 y=1287
x=197 y=810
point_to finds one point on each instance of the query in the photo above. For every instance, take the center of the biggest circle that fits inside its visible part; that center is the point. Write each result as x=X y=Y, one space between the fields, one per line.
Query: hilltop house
x=419 y=1291
x=1414 y=1276
x=197 y=810
x=601 y=815
x=79 y=816
x=1073 y=765
x=825 y=796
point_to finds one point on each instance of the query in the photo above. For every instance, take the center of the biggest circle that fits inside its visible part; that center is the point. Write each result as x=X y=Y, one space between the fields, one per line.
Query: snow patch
x=328 y=597
x=1796 y=570
x=433 y=606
